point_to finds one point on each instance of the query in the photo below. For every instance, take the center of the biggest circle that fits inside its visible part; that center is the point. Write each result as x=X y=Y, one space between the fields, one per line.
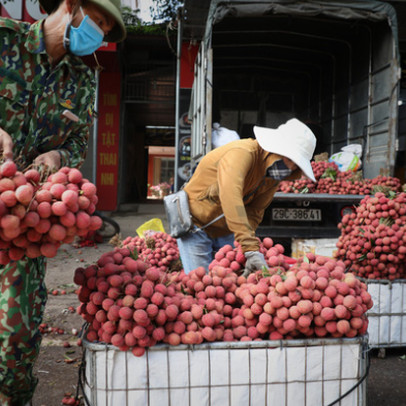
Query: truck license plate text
x=296 y=214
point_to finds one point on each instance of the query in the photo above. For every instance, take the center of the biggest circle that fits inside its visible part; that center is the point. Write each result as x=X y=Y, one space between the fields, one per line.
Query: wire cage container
x=296 y=372
x=387 y=317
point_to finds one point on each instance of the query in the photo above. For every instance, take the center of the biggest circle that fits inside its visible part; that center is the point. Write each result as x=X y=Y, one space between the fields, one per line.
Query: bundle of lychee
x=302 y=185
x=384 y=184
x=133 y=305
x=36 y=218
x=158 y=249
x=233 y=258
x=130 y=303
x=373 y=239
x=310 y=298
x=323 y=168
x=221 y=309
x=329 y=179
x=343 y=183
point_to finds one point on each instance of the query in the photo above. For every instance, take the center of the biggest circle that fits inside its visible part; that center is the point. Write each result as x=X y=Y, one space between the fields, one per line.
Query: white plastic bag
x=354 y=148
x=349 y=158
x=222 y=135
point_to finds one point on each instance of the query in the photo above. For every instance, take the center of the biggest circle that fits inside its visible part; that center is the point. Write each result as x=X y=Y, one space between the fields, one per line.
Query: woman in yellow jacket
x=240 y=179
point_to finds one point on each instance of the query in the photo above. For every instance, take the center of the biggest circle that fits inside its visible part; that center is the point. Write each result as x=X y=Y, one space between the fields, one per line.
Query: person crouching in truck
x=47 y=98
x=240 y=179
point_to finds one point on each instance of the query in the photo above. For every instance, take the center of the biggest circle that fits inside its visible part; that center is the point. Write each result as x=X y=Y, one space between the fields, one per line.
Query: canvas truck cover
x=358 y=101
x=361 y=9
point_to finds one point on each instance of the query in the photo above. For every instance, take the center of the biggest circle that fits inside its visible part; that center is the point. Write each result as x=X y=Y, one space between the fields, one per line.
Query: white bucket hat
x=294 y=140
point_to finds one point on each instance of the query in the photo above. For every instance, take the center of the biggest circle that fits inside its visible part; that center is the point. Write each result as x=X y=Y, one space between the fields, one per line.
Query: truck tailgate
x=309 y=215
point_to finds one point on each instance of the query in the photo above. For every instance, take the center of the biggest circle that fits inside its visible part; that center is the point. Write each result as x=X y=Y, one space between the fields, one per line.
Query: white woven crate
x=291 y=373
x=387 y=317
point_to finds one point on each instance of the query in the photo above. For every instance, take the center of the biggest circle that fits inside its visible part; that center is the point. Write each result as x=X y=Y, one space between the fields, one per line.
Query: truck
x=334 y=65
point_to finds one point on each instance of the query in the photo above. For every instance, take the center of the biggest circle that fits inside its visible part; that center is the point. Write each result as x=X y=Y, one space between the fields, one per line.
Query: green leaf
x=387 y=221
x=265 y=273
x=305 y=259
x=330 y=173
x=362 y=257
x=134 y=254
x=402 y=357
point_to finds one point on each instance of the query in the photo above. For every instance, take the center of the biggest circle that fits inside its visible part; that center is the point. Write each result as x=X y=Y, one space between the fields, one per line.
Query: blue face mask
x=85 y=39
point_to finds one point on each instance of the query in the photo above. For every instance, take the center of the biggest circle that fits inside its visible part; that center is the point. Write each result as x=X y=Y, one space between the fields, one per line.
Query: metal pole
x=177 y=97
x=95 y=125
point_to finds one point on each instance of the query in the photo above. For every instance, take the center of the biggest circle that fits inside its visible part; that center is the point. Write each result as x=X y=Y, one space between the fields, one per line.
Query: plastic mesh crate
x=290 y=372
x=387 y=317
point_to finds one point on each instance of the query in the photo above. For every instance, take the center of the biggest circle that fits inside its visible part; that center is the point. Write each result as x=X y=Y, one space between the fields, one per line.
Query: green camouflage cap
x=111 y=7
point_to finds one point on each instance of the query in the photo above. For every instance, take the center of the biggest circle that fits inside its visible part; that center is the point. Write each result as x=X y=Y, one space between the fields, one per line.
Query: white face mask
x=85 y=39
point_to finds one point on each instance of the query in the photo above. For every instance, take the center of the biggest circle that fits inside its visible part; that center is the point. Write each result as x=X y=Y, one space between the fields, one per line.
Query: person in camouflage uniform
x=46 y=104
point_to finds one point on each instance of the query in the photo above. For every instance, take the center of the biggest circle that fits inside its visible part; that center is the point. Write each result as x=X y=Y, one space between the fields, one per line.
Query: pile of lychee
x=37 y=217
x=330 y=180
x=372 y=243
x=134 y=305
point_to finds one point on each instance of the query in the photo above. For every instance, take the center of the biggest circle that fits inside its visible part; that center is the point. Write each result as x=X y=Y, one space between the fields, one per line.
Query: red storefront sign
x=187 y=64
x=108 y=140
x=108 y=46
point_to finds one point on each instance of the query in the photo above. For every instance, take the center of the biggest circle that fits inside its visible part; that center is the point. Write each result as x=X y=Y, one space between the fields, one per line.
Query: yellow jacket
x=221 y=181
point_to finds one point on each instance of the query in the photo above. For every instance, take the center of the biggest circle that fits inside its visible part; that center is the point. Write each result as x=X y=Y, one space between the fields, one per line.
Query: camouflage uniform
x=33 y=96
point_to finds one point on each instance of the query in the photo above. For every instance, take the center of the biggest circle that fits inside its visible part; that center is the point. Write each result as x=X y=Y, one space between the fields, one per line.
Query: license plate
x=296 y=214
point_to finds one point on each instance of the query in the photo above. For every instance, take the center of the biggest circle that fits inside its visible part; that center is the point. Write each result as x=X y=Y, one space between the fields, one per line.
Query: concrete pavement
x=130 y=217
